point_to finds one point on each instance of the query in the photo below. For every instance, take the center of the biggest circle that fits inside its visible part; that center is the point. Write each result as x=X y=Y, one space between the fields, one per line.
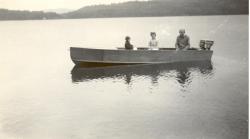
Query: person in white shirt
x=153 y=43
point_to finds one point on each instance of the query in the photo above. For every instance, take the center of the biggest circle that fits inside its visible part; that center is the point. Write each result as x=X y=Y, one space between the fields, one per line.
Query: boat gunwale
x=101 y=49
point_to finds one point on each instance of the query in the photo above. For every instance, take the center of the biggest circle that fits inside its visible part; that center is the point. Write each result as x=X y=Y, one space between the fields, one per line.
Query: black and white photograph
x=124 y=69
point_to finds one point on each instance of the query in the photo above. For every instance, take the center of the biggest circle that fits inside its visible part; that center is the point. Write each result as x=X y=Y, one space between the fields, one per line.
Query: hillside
x=139 y=9
x=162 y=8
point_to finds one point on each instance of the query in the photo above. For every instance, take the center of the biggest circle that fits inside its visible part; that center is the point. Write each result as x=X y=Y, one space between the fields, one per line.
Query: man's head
x=153 y=35
x=127 y=38
x=182 y=32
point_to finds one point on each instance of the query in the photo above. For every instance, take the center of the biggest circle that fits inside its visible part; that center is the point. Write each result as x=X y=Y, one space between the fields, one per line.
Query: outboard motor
x=202 y=44
x=206 y=44
x=209 y=44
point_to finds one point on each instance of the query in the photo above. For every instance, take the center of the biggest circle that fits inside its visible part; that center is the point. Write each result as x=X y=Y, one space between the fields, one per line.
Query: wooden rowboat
x=139 y=56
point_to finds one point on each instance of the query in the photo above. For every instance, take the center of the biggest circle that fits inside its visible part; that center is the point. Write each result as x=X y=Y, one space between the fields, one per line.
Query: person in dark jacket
x=128 y=45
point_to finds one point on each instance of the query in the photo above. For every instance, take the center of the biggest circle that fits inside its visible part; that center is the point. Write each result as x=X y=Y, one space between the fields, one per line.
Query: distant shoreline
x=123 y=17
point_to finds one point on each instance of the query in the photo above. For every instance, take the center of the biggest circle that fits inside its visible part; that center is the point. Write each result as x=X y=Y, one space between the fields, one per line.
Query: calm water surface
x=43 y=95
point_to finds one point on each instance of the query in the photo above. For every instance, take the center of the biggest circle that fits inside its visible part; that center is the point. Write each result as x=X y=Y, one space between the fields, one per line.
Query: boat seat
x=192 y=48
x=165 y=48
x=161 y=48
x=142 y=48
x=120 y=48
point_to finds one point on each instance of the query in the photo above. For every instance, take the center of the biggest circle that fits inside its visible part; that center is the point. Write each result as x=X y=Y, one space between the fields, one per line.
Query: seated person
x=128 y=45
x=182 y=41
x=153 y=43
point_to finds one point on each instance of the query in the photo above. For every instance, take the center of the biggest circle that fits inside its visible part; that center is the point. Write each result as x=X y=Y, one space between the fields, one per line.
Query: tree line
x=139 y=9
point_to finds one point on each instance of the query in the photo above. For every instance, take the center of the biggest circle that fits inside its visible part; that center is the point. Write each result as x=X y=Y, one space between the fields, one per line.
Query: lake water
x=43 y=96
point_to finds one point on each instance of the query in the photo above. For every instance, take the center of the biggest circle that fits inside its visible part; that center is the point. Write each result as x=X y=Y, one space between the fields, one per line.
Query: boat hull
x=119 y=57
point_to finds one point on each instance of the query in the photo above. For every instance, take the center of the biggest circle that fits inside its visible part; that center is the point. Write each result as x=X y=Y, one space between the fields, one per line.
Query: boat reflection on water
x=181 y=71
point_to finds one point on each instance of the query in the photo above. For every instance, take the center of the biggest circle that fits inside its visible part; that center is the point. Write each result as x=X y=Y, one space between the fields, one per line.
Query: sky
x=51 y=4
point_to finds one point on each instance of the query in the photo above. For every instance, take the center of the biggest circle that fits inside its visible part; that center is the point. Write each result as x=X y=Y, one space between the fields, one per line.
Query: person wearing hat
x=153 y=43
x=182 y=41
x=128 y=45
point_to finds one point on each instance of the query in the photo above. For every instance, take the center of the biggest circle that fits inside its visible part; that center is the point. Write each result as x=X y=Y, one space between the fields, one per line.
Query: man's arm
x=176 y=43
x=188 y=42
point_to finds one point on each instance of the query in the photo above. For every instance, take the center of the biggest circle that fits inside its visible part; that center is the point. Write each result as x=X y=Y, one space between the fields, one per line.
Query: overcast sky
x=51 y=4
